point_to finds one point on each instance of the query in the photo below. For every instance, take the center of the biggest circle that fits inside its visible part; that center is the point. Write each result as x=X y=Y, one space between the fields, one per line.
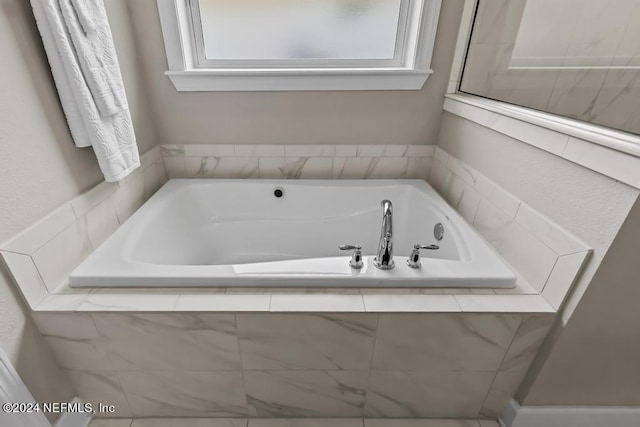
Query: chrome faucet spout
x=384 y=258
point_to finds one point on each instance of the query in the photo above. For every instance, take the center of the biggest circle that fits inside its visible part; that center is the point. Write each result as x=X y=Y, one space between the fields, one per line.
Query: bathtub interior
x=235 y=223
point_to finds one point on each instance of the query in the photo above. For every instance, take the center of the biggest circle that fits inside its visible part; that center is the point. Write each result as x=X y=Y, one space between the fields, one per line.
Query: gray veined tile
x=305 y=394
x=441 y=155
x=575 y=91
x=80 y=354
x=504 y=303
x=327 y=303
x=452 y=191
x=354 y=167
x=247 y=150
x=74 y=340
x=26 y=275
x=371 y=150
x=170 y=341
x=190 y=422
x=420 y=151
x=528 y=254
x=439 y=176
x=388 y=168
x=296 y=168
x=469 y=203
x=150 y=156
x=201 y=167
x=102 y=221
x=525 y=346
x=130 y=196
x=305 y=422
x=61 y=302
x=563 y=276
x=527 y=341
x=221 y=302
x=184 y=393
x=128 y=302
x=101 y=387
x=123 y=422
x=206 y=150
x=42 y=231
x=418 y=167
x=59 y=256
x=346 y=150
x=311 y=342
x=410 y=303
x=172 y=150
x=92 y=198
x=175 y=167
x=154 y=178
x=465 y=172
x=312 y=150
x=548 y=232
x=387 y=422
x=437 y=342
x=236 y=167
x=500 y=198
x=442 y=394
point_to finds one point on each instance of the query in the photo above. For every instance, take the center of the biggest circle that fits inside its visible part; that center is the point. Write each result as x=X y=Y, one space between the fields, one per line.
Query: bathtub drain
x=278 y=192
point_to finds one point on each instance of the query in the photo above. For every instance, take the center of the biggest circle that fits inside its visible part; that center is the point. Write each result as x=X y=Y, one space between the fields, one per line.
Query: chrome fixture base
x=383 y=266
x=356 y=259
x=414 y=258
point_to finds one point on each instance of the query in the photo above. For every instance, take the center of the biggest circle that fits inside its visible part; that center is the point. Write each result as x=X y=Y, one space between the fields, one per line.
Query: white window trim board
x=613 y=153
x=186 y=76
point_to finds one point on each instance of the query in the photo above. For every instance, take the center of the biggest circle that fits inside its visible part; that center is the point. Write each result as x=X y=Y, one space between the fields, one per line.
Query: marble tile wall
x=296 y=365
x=547 y=256
x=605 y=90
x=41 y=258
x=298 y=161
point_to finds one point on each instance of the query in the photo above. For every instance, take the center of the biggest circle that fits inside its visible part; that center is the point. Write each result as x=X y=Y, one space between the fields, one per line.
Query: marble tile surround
x=73 y=230
x=547 y=256
x=41 y=258
x=296 y=365
x=285 y=352
x=606 y=95
x=298 y=161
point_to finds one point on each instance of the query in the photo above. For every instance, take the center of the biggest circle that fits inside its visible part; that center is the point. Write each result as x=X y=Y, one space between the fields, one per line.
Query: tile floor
x=290 y=422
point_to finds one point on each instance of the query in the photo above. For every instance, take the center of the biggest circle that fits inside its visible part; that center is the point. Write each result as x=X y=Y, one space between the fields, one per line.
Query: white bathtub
x=226 y=233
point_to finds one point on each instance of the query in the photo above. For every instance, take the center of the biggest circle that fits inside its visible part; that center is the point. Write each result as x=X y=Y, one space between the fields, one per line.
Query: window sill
x=609 y=152
x=226 y=80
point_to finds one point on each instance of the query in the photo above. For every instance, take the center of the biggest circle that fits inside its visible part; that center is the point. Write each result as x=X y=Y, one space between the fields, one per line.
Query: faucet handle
x=414 y=258
x=356 y=259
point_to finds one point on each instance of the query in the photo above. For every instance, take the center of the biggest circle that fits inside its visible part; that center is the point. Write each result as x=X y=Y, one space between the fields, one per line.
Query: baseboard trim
x=569 y=416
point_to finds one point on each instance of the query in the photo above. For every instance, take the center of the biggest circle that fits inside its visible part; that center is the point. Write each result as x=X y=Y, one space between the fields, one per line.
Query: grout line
x=370 y=368
x=515 y=334
x=549 y=276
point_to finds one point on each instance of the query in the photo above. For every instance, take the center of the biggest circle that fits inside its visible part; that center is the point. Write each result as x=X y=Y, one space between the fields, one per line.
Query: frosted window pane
x=297 y=29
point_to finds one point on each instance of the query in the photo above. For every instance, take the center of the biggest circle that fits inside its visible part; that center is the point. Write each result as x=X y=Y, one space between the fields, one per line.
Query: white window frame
x=190 y=71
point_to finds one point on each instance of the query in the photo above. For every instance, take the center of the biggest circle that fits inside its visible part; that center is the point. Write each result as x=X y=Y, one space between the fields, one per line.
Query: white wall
x=377 y=117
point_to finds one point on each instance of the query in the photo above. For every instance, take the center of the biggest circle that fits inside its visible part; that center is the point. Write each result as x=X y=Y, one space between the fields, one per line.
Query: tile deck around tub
x=323 y=300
